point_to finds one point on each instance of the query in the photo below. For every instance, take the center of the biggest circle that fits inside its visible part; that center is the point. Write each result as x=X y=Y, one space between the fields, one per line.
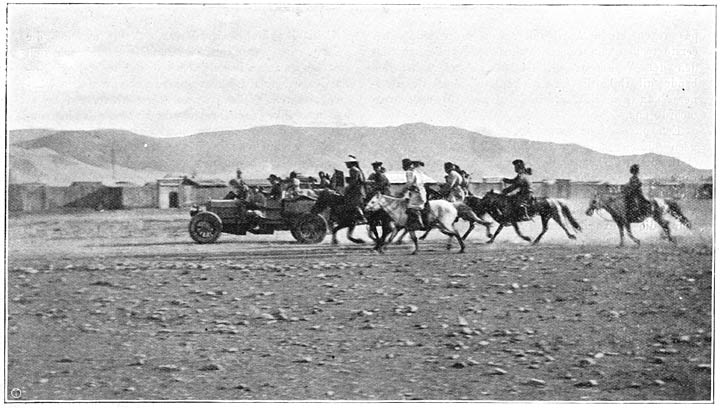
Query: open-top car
x=235 y=217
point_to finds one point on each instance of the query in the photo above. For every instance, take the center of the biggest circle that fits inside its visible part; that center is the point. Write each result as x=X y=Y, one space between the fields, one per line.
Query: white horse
x=442 y=215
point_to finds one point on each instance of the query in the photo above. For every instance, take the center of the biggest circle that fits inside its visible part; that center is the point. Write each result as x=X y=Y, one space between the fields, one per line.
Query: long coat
x=355 y=191
x=519 y=187
x=453 y=186
x=415 y=190
x=378 y=182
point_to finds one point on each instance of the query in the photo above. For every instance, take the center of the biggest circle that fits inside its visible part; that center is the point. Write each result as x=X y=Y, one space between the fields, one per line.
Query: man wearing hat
x=416 y=194
x=275 y=187
x=239 y=193
x=378 y=181
x=520 y=189
x=355 y=190
x=239 y=188
x=635 y=202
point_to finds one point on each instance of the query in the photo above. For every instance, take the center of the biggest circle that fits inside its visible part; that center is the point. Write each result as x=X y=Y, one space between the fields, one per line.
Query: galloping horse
x=465 y=212
x=501 y=210
x=614 y=204
x=343 y=216
x=442 y=214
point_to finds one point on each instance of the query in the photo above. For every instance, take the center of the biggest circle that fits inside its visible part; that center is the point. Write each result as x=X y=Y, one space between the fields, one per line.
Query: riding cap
x=272 y=177
x=406 y=162
x=449 y=165
x=634 y=168
x=518 y=162
x=293 y=174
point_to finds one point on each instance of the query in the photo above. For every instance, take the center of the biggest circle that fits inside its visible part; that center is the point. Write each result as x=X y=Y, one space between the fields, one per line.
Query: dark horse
x=614 y=204
x=343 y=215
x=502 y=210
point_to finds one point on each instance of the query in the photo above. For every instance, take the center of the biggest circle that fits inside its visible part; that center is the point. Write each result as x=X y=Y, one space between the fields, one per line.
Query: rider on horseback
x=355 y=190
x=378 y=181
x=520 y=189
x=636 y=204
x=453 y=184
x=416 y=194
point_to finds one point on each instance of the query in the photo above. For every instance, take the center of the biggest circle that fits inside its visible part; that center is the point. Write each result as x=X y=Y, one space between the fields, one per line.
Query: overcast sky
x=617 y=79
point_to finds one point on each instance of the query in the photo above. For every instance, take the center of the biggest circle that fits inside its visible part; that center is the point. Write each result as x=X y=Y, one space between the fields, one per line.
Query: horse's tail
x=566 y=212
x=675 y=211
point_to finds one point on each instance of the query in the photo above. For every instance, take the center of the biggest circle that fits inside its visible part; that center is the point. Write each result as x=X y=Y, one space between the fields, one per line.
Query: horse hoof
x=491 y=241
x=572 y=237
x=462 y=251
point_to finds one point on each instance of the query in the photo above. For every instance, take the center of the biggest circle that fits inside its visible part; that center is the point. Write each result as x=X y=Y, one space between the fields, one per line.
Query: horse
x=442 y=214
x=502 y=210
x=614 y=204
x=465 y=212
x=343 y=215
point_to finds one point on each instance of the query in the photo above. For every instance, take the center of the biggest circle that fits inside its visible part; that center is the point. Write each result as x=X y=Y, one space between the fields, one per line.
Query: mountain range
x=58 y=157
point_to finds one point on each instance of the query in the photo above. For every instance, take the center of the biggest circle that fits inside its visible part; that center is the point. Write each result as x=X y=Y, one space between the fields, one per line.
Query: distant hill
x=281 y=149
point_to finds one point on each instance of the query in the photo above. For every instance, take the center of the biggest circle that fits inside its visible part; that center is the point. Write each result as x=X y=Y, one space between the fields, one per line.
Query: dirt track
x=122 y=305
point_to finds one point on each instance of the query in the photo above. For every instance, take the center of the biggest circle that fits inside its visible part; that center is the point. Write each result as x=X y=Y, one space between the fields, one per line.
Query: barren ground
x=124 y=306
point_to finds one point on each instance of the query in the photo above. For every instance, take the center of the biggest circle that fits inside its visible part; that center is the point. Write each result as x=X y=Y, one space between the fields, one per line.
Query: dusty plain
x=122 y=305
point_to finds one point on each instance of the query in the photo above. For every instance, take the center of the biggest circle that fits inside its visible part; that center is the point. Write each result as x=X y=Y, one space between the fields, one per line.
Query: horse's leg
x=630 y=234
x=544 y=229
x=351 y=228
x=427 y=231
x=517 y=231
x=497 y=231
x=657 y=216
x=558 y=219
x=335 y=229
x=414 y=240
x=452 y=232
x=469 y=230
x=621 y=228
x=400 y=240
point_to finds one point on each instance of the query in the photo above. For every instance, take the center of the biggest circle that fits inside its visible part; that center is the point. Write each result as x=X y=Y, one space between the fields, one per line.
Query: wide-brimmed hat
x=377 y=164
x=351 y=159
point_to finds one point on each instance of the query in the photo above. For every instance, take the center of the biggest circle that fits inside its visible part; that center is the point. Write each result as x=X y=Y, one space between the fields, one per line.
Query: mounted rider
x=520 y=190
x=355 y=190
x=378 y=181
x=465 y=183
x=452 y=189
x=636 y=205
x=414 y=190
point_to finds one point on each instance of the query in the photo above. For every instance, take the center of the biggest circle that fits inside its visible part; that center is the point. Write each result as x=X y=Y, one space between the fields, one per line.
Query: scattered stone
x=659 y=382
x=266 y=316
x=66 y=360
x=211 y=367
x=588 y=383
x=704 y=366
x=169 y=367
x=462 y=321
x=459 y=364
x=498 y=371
x=304 y=360
x=586 y=362
x=535 y=382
